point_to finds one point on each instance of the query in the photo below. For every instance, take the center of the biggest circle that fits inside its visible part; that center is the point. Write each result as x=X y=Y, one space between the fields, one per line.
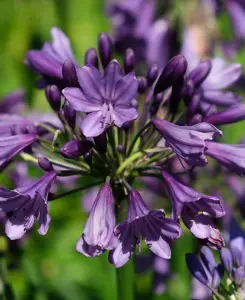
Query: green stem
x=55 y=197
x=217 y=295
x=137 y=136
x=128 y=161
x=125 y=282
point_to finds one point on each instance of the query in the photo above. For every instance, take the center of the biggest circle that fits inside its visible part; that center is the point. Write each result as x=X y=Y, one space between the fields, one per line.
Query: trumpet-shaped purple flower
x=196 y=210
x=188 y=142
x=157 y=231
x=26 y=204
x=106 y=98
x=12 y=145
x=230 y=156
x=205 y=269
x=50 y=59
x=98 y=234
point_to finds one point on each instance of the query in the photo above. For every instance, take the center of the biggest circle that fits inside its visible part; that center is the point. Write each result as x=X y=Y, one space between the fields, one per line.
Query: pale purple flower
x=196 y=210
x=98 y=234
x=50 y=59
x=157 y=231
x=236 y=9
x=230 y=156
x=106 y=98
x=26 y=204
x=12 y=145
x=188 y=142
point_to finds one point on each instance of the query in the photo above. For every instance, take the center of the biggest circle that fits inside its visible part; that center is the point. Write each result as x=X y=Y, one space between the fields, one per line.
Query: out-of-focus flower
x=26 y=204
x=188 y=142
x=152 y=226
x=13 y=102
x=49 y=61
x=236 y=8
x=106 y=98
x=98 y=234
x=199 y=291
x=230 y=156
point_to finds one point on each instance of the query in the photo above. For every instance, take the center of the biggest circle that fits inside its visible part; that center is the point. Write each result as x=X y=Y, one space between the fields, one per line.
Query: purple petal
x=113 y=74
x=199 y=225
x=220 y=98
x=79 y=101
x=92 y=125
x=118 y=257
x=161 y=248
x=125 y=90
x=86 y=249
x=123 y=115
x=90 y=81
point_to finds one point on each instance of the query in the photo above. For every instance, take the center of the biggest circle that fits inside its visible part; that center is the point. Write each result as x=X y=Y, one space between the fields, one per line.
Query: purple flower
x=232 y=114
x=13 y=102
x=205 y=269
x=196 y=210
x=98 y=234
x=188 y=142
x=157 y=231
x=12 y=145
x=50 y=59
x=230 y=156
x=106 y=98
x=26 y=204
x=237 y=12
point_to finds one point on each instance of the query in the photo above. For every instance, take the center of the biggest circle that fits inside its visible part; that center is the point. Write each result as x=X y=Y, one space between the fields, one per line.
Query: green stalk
x=125 y=281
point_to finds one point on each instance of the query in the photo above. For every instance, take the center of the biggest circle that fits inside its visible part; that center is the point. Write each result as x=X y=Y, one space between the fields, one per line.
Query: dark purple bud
x=238 y=275
x=176 y=95
x=193 y=105
x=217 y=276
x=75 y=148
x=189 y=89
x=237 y=257
x=129 y=61
x=197 y=118
x=69 y=73
x=226 y=259
x=91 y=58
x=45 y=164
x=174 y=70
x=101 y=142
x=121 y=149
x=159 y=98
x=54 y=97
x=152 y=75
x=142 y=84
x=200 y=73
x=105 y=49
x=70 y=115
x=232 y=114
x=208 y=259
x=196 y=269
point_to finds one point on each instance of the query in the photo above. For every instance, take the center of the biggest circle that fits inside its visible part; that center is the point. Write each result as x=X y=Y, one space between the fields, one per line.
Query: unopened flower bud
x=121 y=149
x=75 y=148
x=226 y=259
x=129 y=61
x=174 y=70
x=69 y=73
x=45 y=164
x=105 y=49
x=70 y=115
x=193 y=105
x=200 y=73
x=91 y=58
x=54 y=97
x=152 y=74
x=142 y=84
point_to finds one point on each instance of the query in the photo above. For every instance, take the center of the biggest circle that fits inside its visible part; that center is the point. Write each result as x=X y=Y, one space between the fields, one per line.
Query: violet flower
x=196 y=210
x=50 y=59
x=205 y=269
x=106 y=98
x=98 y=234
x=157 y=231
x=13 y=102
x=230 y=156
x=12 y=145
x=188 y=142
x=26 y=204
x=236 y=9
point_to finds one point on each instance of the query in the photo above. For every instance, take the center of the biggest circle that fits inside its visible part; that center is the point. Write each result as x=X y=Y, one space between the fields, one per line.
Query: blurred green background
x=48 y=267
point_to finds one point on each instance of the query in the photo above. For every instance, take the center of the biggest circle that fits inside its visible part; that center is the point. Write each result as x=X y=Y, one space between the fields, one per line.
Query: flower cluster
x=114 y=127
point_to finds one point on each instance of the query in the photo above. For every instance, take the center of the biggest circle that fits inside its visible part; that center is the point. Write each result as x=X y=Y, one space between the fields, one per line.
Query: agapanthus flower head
x=26 y=204
x=196 y=210
x=188 y=142
x=12 y=145
x=49 y=60
x=152 y=226
x=98 y=234
x=231 y=157
x=107 y=98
